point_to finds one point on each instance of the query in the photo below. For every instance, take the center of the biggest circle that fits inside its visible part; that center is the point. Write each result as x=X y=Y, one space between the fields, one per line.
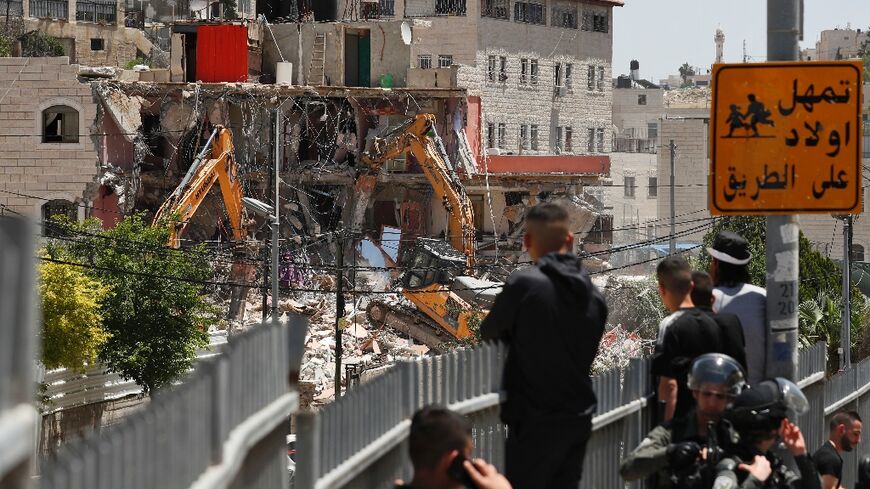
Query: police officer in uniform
x=672 y=451
x=764 y=450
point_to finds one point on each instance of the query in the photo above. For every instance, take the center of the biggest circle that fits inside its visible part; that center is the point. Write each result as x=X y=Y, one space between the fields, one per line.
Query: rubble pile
x=688 y=97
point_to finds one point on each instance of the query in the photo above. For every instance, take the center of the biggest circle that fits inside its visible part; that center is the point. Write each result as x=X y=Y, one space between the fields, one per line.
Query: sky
x=664 y=34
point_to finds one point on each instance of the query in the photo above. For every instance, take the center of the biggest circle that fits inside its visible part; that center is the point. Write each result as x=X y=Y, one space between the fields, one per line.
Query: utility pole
x=339 y=307
x=673 y=242
x=846 y=328
x=276 y=221
x=265 y=253
x=781 y=242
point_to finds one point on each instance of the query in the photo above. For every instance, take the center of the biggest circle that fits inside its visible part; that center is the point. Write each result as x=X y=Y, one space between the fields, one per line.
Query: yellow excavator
x=216 y=163
x=220 y=166
x=432 y=266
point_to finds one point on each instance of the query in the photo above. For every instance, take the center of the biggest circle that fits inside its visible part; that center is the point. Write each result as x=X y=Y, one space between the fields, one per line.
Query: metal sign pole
x=846 y=332
x=781 y=243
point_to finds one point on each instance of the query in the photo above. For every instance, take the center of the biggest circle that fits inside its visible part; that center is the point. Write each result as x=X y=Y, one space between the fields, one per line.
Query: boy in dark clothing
x=552 y=317
x=683 y=336
x=729 y=324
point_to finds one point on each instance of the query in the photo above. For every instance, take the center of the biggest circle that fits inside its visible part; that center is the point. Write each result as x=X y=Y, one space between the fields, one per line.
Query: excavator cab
x=432 y=261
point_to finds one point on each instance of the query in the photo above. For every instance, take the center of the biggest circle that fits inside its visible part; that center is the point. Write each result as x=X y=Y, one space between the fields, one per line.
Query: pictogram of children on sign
x=756 y=113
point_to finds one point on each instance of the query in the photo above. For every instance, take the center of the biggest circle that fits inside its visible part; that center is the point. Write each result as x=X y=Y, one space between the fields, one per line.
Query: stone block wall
x=31 y=171
x=690 y=185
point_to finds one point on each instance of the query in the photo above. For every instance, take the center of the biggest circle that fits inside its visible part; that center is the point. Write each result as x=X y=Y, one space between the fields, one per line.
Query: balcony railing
x=496 y=9
x=102 y=11
x=11 y=8
x=52 y=9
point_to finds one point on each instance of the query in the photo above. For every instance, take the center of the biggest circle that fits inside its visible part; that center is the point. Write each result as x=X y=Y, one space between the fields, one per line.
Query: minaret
x=720 y=45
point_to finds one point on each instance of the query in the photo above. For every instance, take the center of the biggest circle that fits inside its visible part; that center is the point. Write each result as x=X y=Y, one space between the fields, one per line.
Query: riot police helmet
x=719 y=369
x=761 y=408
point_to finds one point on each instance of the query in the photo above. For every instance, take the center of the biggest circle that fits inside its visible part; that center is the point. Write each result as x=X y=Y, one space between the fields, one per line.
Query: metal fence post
x=308 y=452
x=220 y=403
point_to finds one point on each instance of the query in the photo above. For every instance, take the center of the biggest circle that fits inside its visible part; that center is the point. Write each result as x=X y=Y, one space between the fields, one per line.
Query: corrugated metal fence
x=360 y=441
x=224 y=426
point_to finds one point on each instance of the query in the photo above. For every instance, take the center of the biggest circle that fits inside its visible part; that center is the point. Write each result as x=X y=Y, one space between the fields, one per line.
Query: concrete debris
x=125 y=110
x=695 y=97
x=97 y=72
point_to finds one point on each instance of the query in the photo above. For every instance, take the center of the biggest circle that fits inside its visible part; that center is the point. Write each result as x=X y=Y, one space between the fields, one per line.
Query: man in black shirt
x=685 y=335
x=729 y=324
x=552 y=317
x=844 y=436
x=439 y=440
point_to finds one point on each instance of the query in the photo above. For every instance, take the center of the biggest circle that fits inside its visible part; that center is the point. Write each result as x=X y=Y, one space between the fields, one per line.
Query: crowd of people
x=723 y=424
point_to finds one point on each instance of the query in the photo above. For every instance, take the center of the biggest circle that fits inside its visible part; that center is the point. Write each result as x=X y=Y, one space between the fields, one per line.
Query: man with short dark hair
x=438 y=437
x=844 y=436
x=683 y=336
x=734 y=295
x=552 y=317
x=729 y=324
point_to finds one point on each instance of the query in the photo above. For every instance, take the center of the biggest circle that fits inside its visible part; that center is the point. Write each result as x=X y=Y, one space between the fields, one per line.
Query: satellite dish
x=406 y=33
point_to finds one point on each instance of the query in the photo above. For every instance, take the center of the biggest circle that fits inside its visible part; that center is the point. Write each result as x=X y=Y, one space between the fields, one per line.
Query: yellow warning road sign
x=786 y=138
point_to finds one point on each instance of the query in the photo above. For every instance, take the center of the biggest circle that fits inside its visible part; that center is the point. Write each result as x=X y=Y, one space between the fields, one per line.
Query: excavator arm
x=202 y=175
x=418 y=136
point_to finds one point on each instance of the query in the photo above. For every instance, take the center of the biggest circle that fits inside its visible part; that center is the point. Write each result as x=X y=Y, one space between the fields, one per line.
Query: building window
x=653 y=187
x=652 y=130
x=524 y=71
x=60 y=124
x=600 y=136
x=502 y=69
x=533 y=134
x=95 y=10
x=629 y=187
x=449 y=7
x=565 y=17
x=424 y=61
x=14 y=7
x=445 y=60
x=490 y=135
x=529 y=12
x=641 y=99
x=590 y=78
x=569 y=81
x=533 y=71
x=98 y=45
x=599 y=22
x=502 y=135
x=497 y=9
x=569 y=143
x=857 y=253
x=557 y=140
x=590 y=144
x=57 y=208
x=491 y=67
x=524 y=136
x=600 y=85
x=387 y=7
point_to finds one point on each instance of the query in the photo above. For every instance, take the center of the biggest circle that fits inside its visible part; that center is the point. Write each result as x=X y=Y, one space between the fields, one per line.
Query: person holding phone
x=440 y=447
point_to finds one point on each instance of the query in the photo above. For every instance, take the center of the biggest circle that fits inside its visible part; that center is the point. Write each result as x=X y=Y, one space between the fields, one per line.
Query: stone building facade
x=48 y=156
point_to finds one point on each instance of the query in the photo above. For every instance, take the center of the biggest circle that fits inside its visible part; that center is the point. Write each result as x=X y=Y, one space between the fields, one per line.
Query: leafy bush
x=37 y=44
x=138 y=61
x=72 y=329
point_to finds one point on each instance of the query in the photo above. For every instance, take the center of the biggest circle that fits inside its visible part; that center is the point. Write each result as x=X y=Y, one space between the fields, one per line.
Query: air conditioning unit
x=493 y=151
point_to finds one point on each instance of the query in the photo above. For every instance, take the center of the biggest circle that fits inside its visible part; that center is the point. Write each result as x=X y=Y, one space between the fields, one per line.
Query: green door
x=365 y=60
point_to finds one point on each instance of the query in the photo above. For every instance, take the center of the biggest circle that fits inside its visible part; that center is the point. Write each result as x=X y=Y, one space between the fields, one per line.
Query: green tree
x=820 y=279
x=157 y=314
x=685 y=72
x=37 y=44
x=72 y=325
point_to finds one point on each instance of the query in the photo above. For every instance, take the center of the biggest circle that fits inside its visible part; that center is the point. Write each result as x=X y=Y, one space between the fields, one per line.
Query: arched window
x=53 y=208
x=60 y=124
x=857 y=253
